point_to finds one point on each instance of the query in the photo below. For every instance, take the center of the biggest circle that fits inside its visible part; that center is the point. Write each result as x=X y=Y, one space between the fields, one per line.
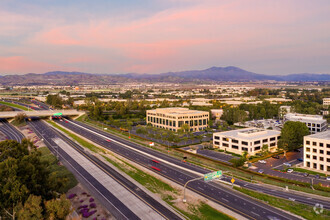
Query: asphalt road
x=232 y=200
x=47 y=133
x=291 y=157
x=10 y=131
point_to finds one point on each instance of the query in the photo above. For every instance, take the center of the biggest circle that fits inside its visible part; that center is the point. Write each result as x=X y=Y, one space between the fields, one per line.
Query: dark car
x=317 y=176
x=300 y=159
x=276 y=157
x=296 y=150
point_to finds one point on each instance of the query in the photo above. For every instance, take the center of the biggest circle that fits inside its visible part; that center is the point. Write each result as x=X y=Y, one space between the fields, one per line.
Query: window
x=308 y=142
x=257 y=142
x=321 y=144
x=308 y=164
x=328 y=152
x=225 y=145
x=308 y=149
x=244 y=149
x=216 y=143
x=321 y=167
x=234 y=146
x=244 y=143
x=314 y=165
x=321 y=151
x=318 y=125
x=314 y=158
x=272 y=144
x=328 y=145
x=314 y=150
x=308 y=156
x=321 y=158
x=272 y=139
x=328 y=160
x=225 y=139
x=217 y=137
x=264 y=140
x=314 y=143
x=234 y=141
x=257 y=148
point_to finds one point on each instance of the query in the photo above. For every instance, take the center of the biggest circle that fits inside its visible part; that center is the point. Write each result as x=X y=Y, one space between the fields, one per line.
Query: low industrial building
x=250 y=140
x=317 y=151
x=315 y=123
x=173 y=118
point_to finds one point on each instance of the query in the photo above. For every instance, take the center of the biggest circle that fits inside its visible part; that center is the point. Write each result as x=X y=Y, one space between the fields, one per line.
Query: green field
x=15 y=106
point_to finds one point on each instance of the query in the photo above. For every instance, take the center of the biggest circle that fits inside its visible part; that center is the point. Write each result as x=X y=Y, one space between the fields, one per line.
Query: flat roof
x=249 y=133
x=177 y=111
x=304 y=117
x=325 y=135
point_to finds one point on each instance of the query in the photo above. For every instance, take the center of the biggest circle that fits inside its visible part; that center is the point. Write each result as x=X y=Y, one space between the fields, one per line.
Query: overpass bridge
x=40 y=113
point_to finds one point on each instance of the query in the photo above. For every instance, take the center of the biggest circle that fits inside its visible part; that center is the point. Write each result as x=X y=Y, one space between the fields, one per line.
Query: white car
x=262 y=161
x=287 y=164
x=328 y=178
x=289 y=170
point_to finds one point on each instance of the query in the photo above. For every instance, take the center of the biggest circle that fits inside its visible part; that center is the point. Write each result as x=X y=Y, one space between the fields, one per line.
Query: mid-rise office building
x=250 y=140
x=315 y=123
x=173 y=118
x=326 y=101
x=317 y=151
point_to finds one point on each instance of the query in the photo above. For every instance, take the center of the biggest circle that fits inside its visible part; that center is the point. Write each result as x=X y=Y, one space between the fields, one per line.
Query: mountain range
x=213 y=74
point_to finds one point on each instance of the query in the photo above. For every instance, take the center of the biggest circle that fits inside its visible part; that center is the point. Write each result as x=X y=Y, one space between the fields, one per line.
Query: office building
x=317 y=151
x=315 y=123
x=250 y=140
x=173 y=118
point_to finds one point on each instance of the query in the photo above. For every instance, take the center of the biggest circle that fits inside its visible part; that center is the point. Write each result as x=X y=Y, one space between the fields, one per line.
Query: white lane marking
x=225 y=199
x=255 y=213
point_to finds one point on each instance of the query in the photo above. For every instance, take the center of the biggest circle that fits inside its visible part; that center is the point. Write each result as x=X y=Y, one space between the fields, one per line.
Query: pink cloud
x=18 y=64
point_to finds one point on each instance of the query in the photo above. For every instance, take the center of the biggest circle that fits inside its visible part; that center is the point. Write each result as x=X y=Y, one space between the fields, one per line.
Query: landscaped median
x=196 y=210
x=302 y=210
x=15 y=106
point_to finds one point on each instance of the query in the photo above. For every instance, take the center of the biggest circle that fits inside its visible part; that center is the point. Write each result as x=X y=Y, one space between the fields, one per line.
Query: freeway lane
x=309 y=200
x=237 y=202
x=10 y=131
x=128 y=185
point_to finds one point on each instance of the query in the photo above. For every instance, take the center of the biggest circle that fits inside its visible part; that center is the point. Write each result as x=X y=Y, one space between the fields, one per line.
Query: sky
x=153 y=36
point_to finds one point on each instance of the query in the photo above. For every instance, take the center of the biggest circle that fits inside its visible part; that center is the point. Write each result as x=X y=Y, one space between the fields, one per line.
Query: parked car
x=287 y=164
x=306 y=174
x=262 y=161
x=328 y=178
x=261 y=171
x=296 y=150
x=300 y=159
x=317 y=176
x=289 y=170
x=276 y=157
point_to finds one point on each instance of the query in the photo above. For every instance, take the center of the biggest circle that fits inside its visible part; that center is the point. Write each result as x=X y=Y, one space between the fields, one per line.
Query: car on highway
x=306 y=174
x=289 y=170
x=287 y=164
x=262 y=161
x=276 y=157
x=261 y=171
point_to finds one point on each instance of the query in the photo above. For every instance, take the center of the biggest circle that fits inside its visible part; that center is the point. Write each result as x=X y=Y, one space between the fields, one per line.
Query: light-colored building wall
x=173 y=118
x=217 y=113
x=317 y=151
x=250 y=140
x=326 y=101
x=315 y=123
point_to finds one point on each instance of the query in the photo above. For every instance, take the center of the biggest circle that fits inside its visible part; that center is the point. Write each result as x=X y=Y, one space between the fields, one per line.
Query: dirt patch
x=29 y=134
x=81 y=199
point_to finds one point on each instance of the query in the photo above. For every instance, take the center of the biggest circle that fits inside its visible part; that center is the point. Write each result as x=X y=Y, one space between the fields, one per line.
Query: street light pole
x=184 y=187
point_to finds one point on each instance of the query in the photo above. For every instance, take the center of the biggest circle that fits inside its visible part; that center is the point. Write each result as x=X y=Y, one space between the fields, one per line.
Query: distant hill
x=213 y=74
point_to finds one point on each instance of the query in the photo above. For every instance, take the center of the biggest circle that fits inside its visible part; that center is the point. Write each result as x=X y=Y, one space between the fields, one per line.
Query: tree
x=31 y=209
x=20 y=117
x=58 y=208
x=185 y=127
x=292 y=135
x=264 y=149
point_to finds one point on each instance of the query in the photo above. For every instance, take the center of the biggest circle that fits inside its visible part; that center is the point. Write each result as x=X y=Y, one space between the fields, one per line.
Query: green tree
x=58 y=208
x=32 y=209
x=185 y=127
x=292 y=135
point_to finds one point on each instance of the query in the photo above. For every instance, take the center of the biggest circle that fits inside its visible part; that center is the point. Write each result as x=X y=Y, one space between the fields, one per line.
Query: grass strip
x=78 y=139
x=302 y=210
x=58 y=171
x=15 y=106
x=308 y=171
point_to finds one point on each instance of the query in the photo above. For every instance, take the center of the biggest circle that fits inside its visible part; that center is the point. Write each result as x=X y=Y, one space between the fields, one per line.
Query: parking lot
x=274 y=166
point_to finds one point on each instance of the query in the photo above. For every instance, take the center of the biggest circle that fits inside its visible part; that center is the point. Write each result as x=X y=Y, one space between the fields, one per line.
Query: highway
x=48 y=134
x=10 y=131
x=179 y=172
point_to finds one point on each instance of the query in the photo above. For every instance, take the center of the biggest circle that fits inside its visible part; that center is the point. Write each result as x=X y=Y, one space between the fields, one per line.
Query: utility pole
x=184 y=187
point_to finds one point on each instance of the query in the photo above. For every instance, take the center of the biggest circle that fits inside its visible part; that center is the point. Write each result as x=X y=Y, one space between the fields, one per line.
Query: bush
x=237 y=162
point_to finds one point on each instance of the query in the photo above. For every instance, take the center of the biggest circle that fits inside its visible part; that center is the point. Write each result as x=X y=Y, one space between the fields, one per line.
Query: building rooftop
x=304 y=117
x=177 y=110
x=249 y=133
x=321 y=135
